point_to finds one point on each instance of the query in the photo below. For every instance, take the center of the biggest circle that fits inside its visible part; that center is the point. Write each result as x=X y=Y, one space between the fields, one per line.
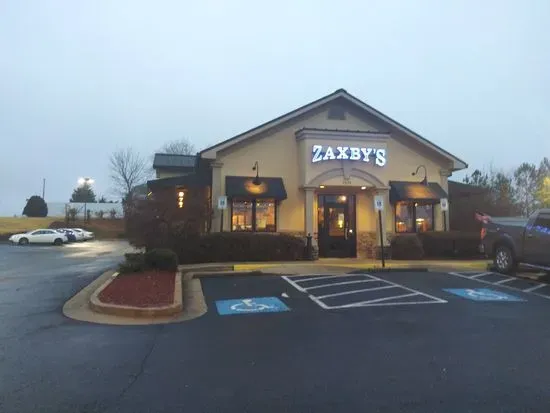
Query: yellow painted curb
x=130 y=311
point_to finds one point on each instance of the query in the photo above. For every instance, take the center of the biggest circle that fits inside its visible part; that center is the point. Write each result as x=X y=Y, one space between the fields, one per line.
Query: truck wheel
x=504 y=260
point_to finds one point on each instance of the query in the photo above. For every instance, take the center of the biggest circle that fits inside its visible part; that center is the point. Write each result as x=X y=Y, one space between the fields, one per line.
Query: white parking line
x=378 y=300
x=355 y=291
x=342 y=283
x=318 y=299
x=536 y=287
x=502 y=284
x=505 y=280
x=480 y=275
x=411 y=290
x=327 y=277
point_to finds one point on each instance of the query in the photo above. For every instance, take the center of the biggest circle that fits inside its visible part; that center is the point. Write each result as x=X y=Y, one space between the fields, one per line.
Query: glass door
x=336 y=217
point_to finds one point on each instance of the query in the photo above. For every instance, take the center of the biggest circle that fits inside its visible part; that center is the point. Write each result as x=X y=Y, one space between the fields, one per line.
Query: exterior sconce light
x=425 y=180
x=256 y=180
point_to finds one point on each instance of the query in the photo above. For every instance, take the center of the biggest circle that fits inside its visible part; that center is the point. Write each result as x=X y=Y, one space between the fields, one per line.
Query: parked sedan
x=79 y=235
x=71 y=236
x=85 y=235
x=39 y=236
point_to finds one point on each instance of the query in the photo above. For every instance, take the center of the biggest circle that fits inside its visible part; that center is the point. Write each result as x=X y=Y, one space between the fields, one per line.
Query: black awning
x=187 y=181
x=243 y=186
x=416 y=191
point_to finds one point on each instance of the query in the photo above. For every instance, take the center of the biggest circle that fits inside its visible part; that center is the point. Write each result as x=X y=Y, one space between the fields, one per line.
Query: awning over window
x=244 y=187
x=416 y=191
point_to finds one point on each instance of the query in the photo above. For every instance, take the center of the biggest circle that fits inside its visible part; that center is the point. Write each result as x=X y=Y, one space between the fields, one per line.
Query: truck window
x=542 y=224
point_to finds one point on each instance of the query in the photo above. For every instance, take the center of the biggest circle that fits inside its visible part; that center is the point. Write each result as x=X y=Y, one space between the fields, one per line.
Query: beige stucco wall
x=280 y=154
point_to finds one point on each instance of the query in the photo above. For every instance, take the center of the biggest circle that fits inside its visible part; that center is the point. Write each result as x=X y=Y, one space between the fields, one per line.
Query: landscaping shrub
x=156 y=259
x=450 y=244
x=406 y=247
x=239 y=246
x=129 y=267
x=161 y=259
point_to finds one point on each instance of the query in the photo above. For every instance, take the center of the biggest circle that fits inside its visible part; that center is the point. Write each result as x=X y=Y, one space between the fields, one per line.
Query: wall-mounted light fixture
x=363 y=188
x=321 y=186
x=425 y=180
x=256 y=168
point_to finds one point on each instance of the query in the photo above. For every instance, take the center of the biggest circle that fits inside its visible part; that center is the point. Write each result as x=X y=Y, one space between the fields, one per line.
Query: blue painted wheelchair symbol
x=482 y=294
x=251 y=306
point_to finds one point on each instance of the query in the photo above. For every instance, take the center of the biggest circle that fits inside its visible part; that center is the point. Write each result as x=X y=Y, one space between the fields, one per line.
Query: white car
x=82 y=234
x=39 y=236
x=79 y=234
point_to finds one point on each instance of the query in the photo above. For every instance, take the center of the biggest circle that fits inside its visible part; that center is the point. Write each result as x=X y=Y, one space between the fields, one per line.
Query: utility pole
x=43 y=188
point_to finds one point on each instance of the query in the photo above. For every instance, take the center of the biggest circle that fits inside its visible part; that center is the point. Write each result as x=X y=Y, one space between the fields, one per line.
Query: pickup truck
x=514 y=241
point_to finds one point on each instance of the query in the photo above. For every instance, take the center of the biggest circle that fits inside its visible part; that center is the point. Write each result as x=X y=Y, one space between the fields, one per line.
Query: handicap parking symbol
x=251 y=306
x=482 y=294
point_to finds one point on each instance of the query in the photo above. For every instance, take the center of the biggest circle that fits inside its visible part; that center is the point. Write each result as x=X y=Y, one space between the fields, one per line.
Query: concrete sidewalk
x=338 y=264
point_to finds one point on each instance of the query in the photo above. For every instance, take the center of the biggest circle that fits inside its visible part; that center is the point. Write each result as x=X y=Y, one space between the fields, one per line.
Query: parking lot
x=401 y=341
x=363 y=342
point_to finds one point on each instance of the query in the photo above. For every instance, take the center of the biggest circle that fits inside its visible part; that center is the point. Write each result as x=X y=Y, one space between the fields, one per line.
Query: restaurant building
x=317 y=170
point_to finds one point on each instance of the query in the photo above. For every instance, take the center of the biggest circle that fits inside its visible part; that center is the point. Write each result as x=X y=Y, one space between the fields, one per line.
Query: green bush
x=450 y=244
x=239 y=246
x=129 y=267
x=161 y=259
x=406 y=247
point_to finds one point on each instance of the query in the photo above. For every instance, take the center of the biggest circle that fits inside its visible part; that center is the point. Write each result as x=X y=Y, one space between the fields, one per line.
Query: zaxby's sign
x=327 y=153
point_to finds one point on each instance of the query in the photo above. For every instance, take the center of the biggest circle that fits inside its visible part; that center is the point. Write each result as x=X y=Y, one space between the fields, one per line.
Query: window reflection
x=424 y=217
x=265 y=215
x=241 y=217
x=414 y=217
x=404 y=217
x=253 y=215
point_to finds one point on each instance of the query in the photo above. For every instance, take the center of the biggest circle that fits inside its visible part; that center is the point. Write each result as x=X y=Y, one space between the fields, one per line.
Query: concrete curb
x=130 y=311
x=78 y=307
x=402 y=269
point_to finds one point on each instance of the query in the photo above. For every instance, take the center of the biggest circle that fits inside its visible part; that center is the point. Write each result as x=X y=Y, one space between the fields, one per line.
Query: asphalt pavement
x=277 y=349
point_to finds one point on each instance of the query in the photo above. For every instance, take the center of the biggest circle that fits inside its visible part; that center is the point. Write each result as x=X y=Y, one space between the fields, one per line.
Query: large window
x=414 y=217
x=253 y=215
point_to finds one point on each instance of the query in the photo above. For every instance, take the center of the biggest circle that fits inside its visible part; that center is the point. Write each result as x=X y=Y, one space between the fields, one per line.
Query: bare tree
x=128 y=169
x=179 y=147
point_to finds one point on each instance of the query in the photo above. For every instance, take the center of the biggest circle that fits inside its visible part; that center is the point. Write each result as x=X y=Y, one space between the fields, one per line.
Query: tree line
x=519 y=192
x=129 y=171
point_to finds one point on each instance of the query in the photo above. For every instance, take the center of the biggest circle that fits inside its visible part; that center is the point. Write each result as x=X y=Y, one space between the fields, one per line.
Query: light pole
x=82 y=182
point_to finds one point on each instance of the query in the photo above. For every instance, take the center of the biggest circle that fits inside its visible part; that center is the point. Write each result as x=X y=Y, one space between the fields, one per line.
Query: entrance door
x=336 y=218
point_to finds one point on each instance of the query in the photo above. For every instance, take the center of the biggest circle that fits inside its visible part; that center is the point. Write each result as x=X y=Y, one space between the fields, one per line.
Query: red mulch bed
x=143 y=289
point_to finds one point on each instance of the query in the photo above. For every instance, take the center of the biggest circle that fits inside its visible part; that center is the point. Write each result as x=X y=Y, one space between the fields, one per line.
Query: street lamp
x=82 y=182
x=425 y=180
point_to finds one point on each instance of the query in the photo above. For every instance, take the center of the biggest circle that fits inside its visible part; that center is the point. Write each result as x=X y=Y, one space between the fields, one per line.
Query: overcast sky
x=79 y=79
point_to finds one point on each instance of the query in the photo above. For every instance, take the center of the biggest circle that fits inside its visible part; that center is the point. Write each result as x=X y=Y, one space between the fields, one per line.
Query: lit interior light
x=322 y=186
x=363 y=188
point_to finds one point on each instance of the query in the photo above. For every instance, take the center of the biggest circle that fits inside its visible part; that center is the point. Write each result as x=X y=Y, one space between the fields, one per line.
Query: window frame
x=254 y=202
x=414 y=231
